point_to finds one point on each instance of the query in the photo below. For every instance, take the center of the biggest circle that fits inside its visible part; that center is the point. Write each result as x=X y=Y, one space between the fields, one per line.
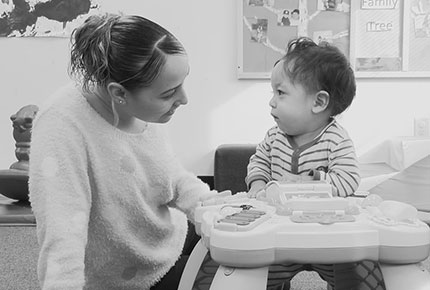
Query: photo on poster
x=258 y=29
x=295 y=17
x=421 y=17
x=284 y=18
x=287 y=16
x=323 y=36
x=378 y=64
x=333 y=5
x=256 y=2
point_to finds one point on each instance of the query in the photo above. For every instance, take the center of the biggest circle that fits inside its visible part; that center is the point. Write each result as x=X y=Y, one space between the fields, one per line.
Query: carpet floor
x=18 y=261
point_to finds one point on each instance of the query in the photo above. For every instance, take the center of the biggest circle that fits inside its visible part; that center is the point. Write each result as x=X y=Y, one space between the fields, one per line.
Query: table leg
x=192 y=267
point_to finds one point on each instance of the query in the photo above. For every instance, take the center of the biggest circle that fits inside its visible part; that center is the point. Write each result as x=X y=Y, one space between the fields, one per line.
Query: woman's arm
x=60 y=198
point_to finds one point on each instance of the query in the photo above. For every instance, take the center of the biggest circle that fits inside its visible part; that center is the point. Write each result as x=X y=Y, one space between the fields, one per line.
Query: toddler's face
x=291 y=104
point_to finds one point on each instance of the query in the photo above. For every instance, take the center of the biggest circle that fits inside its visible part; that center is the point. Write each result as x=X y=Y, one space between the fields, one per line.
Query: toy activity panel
x=386 y=38
x=305 y=224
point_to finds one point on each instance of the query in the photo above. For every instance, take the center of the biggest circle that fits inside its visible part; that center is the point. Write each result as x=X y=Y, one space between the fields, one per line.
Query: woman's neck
x=101 y=103
x=106 y=108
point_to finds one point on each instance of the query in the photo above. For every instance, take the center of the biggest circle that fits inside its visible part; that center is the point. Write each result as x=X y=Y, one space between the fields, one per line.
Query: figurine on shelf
x=14 y=181
x=22 y=124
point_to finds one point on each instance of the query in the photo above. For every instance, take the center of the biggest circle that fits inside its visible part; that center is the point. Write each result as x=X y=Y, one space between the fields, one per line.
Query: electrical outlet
x=422 y=127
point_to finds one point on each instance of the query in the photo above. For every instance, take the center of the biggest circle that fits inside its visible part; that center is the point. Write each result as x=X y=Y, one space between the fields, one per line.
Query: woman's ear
x=117 y=93
x=321 y=102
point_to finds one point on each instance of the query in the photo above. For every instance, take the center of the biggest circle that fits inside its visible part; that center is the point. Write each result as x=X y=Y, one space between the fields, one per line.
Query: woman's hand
x=214 y=196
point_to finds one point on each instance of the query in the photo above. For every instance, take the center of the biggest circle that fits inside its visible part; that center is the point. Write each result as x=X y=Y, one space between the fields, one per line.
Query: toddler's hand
x=253 y=192
x=256 y=188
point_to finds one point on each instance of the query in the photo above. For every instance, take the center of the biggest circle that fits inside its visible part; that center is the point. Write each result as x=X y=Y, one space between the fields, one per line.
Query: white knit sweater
x=108 y=204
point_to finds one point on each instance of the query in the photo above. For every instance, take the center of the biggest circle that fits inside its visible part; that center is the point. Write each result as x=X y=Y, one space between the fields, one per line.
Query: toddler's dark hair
x=321 y=67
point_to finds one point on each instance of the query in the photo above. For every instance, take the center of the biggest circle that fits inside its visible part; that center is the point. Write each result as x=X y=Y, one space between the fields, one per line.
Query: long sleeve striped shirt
x=330 y=156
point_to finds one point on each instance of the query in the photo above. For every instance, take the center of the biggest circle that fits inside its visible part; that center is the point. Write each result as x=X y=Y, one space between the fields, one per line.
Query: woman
x=108 y=194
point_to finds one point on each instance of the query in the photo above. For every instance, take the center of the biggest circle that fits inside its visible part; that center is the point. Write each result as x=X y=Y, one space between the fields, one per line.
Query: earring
x=121 y=102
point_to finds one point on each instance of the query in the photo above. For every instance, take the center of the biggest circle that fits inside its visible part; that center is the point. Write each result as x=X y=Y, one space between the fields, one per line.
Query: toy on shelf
x=304 y=223
x=14 y=181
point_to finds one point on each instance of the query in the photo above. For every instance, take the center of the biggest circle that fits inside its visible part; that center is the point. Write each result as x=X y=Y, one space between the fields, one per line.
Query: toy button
x=226 y=227
x=231 y=221
x=248 y=215
x=259 y=212
x=246 y=206
x=228 y=271
x=327 y=220
x=240 y=218
x=306 y=187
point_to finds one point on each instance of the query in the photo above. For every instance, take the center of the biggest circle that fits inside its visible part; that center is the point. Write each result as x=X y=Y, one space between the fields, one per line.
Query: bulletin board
x=389 y=38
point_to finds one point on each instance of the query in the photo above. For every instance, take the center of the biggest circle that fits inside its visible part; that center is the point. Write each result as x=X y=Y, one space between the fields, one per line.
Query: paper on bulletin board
x=376 y=32
x=419 y=36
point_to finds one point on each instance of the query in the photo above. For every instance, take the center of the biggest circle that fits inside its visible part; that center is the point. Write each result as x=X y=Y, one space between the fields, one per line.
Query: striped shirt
x=330 y=156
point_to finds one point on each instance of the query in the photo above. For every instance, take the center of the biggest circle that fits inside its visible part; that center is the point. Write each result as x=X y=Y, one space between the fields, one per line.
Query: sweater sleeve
x=343 y=171
x=189 y=190
x=259 y=167
x=60 y=197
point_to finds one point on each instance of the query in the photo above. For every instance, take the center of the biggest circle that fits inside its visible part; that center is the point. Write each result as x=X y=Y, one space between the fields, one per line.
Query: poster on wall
x=34 y=18
x=381 y=38
x=377 y=36
x=266 y=26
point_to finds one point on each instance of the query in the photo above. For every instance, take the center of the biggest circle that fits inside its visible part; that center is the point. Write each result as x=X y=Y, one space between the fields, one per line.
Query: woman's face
x=158 y=102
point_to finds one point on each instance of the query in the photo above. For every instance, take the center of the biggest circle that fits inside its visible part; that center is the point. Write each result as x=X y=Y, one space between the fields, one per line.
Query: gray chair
x=230 y=166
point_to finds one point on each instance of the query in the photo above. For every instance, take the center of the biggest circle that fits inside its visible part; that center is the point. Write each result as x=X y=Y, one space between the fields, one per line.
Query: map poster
x=56 y=18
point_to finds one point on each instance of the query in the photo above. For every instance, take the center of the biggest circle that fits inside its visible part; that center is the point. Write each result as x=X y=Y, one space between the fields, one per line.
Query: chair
x=230 y=166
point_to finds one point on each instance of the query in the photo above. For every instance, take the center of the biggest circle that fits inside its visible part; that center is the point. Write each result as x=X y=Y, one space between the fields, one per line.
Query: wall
x=221 y=108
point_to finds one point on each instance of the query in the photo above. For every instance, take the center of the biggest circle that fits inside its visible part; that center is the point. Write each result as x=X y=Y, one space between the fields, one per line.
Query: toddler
x=311 y=84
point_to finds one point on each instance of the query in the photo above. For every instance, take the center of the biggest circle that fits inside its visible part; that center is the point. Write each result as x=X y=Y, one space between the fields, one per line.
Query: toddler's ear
x=321 y=101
